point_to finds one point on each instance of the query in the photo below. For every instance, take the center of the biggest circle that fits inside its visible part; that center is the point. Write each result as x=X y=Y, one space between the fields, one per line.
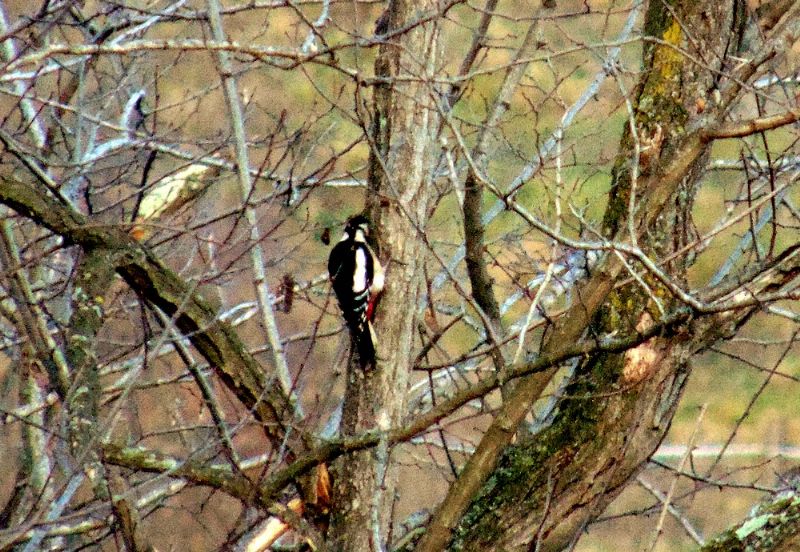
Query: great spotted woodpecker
x=357 y=277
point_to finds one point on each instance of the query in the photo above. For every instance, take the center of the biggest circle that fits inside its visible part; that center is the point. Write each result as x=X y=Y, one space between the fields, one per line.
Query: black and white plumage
x=357 y=277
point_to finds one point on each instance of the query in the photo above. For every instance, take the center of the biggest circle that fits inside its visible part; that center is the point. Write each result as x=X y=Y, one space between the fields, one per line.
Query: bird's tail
x=364 y=342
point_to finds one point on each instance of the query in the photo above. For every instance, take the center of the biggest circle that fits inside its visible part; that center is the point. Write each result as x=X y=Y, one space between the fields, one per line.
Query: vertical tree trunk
x=405 y=122
x=542 y=493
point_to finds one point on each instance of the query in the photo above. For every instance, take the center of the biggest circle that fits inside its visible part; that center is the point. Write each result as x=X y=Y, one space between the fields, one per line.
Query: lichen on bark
x=618 y=407
x=774 y=526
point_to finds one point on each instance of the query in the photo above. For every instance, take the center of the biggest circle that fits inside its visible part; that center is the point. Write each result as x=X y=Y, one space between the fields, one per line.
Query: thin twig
x=677 y=514
x=246 y=189
x=668 y=499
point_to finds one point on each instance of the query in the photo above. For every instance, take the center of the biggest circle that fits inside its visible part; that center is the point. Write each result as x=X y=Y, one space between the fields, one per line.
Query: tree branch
x=146 y=274
x=246 y=190
x=741 y=129
x=773 y=527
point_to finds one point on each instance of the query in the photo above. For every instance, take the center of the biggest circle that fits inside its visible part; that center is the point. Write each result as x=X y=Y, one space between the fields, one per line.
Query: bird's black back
x=341 y=267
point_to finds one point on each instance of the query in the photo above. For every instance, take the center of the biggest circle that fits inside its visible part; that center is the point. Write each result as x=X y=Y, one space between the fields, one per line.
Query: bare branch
x=147 y=275
x=746 y=128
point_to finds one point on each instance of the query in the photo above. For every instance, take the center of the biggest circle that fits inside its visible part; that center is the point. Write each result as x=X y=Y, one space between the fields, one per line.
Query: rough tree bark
x=403 y=146
x=541 y=493
x=773 y=526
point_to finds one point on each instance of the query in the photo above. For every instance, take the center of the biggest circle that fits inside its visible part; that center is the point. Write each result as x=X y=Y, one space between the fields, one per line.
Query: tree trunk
x=542 y=493
x=403 y=148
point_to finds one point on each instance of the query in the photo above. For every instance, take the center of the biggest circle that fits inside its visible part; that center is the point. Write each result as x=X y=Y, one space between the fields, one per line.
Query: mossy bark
x=619 y=407
x=773 y=527
x=94 y=276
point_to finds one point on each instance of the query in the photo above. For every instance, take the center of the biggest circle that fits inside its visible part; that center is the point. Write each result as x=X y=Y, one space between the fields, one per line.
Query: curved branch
x=148 y=276
x=678 y=164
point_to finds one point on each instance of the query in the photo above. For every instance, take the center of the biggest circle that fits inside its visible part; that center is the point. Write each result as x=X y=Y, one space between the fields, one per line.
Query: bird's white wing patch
x=360 y=272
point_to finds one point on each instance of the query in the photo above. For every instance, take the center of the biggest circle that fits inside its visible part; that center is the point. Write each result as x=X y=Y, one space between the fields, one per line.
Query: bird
x=357 y=277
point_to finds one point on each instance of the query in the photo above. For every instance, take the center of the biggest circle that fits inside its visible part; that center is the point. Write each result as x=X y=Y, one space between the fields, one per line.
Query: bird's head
x=357 y=228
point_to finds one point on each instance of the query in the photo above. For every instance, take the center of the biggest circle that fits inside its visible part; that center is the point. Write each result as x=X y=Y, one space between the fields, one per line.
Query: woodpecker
x=357 y=277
